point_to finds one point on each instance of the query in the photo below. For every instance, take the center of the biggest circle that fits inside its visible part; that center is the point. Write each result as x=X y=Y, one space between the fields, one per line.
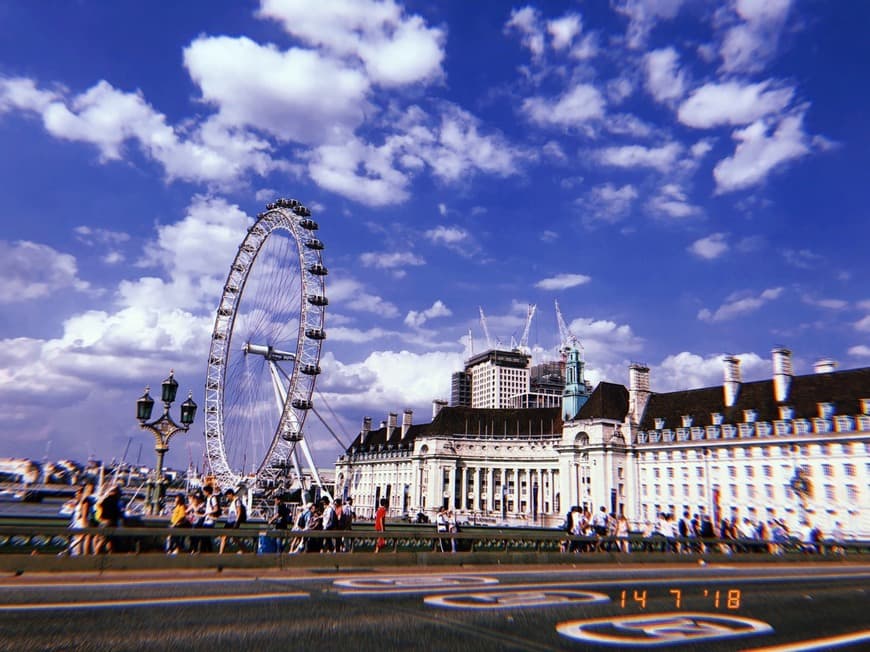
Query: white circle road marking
x=651 y=630
x=150 y=602
x=497 y=599
x=410 y=584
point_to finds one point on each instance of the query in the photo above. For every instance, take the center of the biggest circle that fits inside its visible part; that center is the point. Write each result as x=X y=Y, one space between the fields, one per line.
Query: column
x=464 y=488
x=491 y=489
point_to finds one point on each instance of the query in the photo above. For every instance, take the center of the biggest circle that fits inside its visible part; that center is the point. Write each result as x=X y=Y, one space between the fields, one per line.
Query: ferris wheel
x=265 y=351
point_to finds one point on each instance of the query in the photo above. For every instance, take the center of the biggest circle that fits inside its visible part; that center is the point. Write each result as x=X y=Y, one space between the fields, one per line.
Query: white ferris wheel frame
x=293 y=391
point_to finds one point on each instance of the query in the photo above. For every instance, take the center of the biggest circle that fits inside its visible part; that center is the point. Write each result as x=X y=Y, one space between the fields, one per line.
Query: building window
x=733 y=489
x=768 y=471
x=827 y=470
x=656 y=473
x=700 y=471
x=830 y=494
x=852 y=493
x=670 y=472
x=849 y=470
x=768 y=488
x=732 y=471
x=750 y=491
x=750 y=471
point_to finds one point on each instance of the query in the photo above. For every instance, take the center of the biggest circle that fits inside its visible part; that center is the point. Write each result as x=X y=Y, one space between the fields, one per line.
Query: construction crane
x=524 y=340
x=485 y=329
x=567 y=339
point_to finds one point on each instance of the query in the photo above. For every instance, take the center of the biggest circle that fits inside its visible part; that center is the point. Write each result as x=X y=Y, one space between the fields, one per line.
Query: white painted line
x=818 y=643
x=83 y=584
x=151 y=602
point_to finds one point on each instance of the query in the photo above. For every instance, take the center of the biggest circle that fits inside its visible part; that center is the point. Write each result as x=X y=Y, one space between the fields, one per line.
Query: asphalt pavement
x=702 y=607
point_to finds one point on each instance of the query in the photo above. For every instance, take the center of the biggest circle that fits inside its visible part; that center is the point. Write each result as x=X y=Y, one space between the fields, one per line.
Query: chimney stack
x=638 y=390
x=392 y=422
x=406 y=421
x=437 y=404
x=366 y=429
x=782 y=373
x=732 y=379
x=825 y=366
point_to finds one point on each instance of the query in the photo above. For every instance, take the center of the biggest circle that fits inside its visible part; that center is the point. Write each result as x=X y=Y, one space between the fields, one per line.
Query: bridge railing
x=54 y=539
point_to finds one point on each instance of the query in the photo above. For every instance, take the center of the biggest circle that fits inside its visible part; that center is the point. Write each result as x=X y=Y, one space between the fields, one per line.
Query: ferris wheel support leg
x=310 y=460
x=294 y=456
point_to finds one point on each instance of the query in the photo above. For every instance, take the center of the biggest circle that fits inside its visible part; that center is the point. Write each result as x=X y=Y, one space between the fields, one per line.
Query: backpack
x=241 y=513
x=214 y=506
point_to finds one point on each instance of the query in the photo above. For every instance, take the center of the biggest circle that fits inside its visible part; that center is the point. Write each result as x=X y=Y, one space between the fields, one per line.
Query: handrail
x=58 y=537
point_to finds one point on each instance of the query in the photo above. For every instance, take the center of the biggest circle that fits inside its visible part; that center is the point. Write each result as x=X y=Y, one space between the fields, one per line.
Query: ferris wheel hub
x=268 y=352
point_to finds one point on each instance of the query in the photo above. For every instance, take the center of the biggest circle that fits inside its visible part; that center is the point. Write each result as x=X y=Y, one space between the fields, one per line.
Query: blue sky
x=687 y=178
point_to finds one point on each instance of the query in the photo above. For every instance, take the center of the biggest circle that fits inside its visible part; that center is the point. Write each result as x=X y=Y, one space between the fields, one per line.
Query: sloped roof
x=471 y=421
x=607 y=401
x=844 y=389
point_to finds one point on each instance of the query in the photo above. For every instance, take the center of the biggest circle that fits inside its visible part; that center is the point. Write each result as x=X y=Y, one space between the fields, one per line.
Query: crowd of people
x=206 y=508
x=696 y=533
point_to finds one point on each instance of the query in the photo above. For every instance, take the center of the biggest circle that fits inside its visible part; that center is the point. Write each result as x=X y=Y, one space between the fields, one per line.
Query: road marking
x=410 y=584
x=150 y=602
x=818 y=643
x=652 y=630
x=513 y=599
x=116 y=583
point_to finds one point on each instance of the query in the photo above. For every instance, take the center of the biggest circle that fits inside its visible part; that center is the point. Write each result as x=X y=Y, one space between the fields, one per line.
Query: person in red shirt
x=380 y=523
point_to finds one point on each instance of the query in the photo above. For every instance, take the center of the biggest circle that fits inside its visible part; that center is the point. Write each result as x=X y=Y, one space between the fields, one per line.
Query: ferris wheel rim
x=293 y=218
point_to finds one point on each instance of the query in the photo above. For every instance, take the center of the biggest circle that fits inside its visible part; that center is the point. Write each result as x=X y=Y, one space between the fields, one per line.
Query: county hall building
x=791 y=447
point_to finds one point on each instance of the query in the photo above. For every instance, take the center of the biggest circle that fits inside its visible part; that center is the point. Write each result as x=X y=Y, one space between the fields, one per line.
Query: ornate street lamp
x=163 y=428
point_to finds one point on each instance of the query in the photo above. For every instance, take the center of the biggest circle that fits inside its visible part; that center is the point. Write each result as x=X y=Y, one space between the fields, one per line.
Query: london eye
x=265 y=349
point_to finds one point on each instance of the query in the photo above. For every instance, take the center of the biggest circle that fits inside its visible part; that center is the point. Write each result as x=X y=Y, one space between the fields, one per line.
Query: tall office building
x=497 y=377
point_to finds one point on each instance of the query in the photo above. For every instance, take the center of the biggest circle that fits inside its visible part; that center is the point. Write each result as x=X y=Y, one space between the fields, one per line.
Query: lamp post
x=163 y=428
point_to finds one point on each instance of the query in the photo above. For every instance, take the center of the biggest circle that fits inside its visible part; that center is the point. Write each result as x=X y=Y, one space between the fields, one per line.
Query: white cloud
x=643 y=16
x=758 y=153
x=711 y=247
x=664 y=79
x=826 y=303
x=607 y=203
x=395 y=49
x=318 y=100
x=34 y=271
x=860 y=351
x=393 y=260
x=416 y=319
x=802 y=258
x=747 y=46
x=739 y=304
x=732 y=103
x=447 y=235
x=352 y=296
x=563 y=281
x=359 y=171
x=389 y=380
x=688 y=370
x=578 y=105
x=22 y=93
x=109 y=118
x=629 y=156
x=863 y=324
x=527 y=22
x=603 y=340
x=564 y=30
x=672 y=201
